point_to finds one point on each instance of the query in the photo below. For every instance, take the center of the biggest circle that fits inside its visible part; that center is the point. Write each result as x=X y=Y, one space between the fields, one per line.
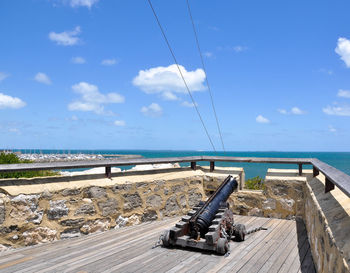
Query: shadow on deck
x=284 y=247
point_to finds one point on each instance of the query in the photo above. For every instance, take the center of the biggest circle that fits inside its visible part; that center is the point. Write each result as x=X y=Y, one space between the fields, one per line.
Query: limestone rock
x=196 y=182
x=73 y=222
x=287 y=204
x=159 y=184
x=70 y=233
x=122 y=187
x=96 y=226
x=154 y=201
x=171 y=206
x=127 y=221
x=183 y=201
x=2 y=211
x=256 y=212
x=46 y=194
x=57 y=209
x=39 y=235
x=269 y=204
x=109 y=207
x=3 y=248
x=149 y=215
x=96 y=192
x=121 y=221
x=67 y=192
x=194 y=197
x=132 y=201
x=178 y=188
x=85 y=209
x=25 y=208
x=133 y=220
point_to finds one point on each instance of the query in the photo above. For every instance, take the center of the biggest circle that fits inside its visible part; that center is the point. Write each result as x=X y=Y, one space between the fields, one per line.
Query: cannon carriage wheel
x=239 y=232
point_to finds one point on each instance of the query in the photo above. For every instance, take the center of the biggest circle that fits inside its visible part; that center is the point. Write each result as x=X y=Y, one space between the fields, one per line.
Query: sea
x=339 y=160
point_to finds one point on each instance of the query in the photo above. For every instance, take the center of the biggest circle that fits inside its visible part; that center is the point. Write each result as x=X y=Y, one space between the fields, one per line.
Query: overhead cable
x=182 y=76
x=206 y=75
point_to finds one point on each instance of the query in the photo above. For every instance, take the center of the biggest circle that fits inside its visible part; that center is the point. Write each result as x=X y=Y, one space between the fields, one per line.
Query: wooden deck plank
x=282 y=247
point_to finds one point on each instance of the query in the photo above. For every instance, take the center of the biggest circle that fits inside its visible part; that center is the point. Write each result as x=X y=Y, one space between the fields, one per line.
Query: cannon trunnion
x=209 y=225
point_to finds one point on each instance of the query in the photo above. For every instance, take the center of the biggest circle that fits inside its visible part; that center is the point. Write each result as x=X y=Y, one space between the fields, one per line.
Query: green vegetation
x=13 y=159
x=255 y=183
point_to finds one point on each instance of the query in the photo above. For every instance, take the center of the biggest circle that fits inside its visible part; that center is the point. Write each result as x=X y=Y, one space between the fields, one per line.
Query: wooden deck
x=282 y=248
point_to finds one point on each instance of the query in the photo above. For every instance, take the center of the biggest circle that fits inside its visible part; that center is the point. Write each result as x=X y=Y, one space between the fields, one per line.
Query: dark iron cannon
x=209 y=225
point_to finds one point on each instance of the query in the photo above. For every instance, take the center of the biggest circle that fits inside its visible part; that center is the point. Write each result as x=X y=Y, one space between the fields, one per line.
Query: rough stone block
x=57 y=210
x=39 y=235
x=70 y=233
x=171 y=206
x=68 y=192
x=2 y=211
x=154 y=201
x=109 y=207
x=73 y=222
x=86 y=209
x=194 y=197
x=96 y=192
x=132 y=201
x=149 y=215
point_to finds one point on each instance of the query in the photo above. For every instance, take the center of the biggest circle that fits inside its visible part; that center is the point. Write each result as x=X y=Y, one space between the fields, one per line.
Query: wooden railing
x=334 y=177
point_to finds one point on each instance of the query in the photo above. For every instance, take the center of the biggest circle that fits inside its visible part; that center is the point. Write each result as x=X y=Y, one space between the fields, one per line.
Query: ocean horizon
x=339 y=160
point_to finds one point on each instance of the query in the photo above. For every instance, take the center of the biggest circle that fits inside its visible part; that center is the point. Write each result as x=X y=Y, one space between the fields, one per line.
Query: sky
x=97 y=74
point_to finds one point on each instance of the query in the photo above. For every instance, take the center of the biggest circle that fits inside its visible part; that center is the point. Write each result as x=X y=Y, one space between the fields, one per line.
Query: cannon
x=209 y=225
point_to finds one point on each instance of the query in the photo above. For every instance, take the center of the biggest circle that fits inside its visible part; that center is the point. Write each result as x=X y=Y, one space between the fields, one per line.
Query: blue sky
x=93 y=74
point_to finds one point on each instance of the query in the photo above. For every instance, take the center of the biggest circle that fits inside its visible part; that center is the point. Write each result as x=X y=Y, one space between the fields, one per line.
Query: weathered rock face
x=86 y=209
x=26 y=208
x=73 y=222
x=57 y=210
x=132 y=201
x=154 y=201
x=70 y=233
x=2 y=211
x=171 y=207
x=149 y=215
x=96 y=226
x=96 y=192
x=194 y=197
x=109 y=207
x=39 y=235
x=68 y=192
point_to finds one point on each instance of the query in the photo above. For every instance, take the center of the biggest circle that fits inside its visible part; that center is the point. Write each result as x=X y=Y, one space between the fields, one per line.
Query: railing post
x=300 y=169
x=315 y=172
x=212 y=166
x=108 y=172
x=193 y=165
x=328 y=186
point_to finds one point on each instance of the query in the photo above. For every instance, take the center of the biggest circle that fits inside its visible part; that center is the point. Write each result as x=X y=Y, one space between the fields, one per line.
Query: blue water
x=338 y=160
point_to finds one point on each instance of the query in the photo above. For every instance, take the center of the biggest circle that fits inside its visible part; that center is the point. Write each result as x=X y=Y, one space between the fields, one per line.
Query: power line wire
x=206 y=75
x=177 y=65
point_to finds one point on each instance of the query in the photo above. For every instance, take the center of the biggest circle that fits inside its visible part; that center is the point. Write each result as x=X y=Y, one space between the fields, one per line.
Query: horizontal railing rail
x=334 y=177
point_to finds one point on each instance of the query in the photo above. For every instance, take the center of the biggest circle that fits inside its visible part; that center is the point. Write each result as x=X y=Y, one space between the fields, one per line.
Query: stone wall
x=36 y=210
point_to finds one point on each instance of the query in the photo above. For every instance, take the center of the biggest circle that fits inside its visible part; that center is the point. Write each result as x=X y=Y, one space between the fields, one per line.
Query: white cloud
x=297 y=111
x=109 y=62
x=282 y=111
x=167 y=80
x=261 y=119
x=343 y=50
x=78 y=60
x=237 y=48
x=208 y=54
x=332 y=129
x=3 y=76
x=188 y=104
x=344 y=93
x=91 y=99
x=66 y=38
x=42 y=78
x=153 y=110
x=337 y=110
x=82 y=3
x=10 y=102
x=169 y=96
x=119 y=123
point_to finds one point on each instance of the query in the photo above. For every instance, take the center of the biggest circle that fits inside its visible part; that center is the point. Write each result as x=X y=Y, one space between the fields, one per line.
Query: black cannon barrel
x=208 y=214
